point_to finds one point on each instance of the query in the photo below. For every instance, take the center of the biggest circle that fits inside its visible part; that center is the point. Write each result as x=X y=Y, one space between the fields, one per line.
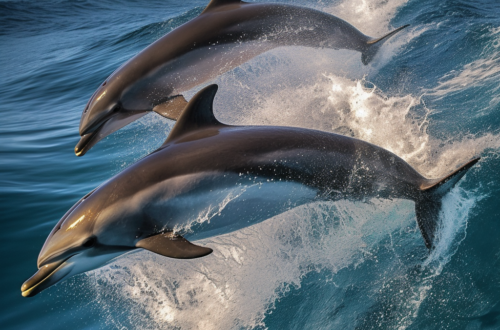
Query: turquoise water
x=431 y=96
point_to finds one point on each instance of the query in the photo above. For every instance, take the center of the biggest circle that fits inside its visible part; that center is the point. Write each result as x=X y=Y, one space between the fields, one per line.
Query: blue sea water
x=431 y=96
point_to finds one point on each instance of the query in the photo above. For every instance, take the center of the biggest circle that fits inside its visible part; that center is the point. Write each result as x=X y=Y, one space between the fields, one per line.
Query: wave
x=324 y=265
x=478 y=76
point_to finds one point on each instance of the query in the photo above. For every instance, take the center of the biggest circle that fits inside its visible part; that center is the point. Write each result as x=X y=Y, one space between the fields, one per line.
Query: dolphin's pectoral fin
x=173 y=246
x=374 y=45
x=428 y=204
x=172 y=108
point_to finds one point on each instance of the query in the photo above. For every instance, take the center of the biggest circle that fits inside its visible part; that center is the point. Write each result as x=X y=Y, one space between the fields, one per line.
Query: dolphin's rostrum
x=265 y=171
x=227 y=34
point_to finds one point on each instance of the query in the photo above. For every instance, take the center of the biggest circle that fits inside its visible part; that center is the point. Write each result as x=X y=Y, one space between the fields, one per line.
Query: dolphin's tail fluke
x=428 y=204
x=373 y=45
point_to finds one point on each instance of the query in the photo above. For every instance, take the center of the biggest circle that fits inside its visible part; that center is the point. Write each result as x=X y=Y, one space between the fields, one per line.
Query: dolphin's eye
x=89 y=242
x=104 y=83
x=114 y=109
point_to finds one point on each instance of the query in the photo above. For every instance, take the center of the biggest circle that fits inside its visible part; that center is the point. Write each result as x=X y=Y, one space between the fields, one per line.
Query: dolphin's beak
x=84 y=144
x=44 y=278
x=121 y=119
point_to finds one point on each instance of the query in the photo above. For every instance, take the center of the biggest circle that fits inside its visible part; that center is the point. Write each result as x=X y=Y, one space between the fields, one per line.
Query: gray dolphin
x=226 y=34
x=251 y=172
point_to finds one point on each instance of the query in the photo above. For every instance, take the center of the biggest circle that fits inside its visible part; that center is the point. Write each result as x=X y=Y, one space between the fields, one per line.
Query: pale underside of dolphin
x=256 y=172
x=226 y=34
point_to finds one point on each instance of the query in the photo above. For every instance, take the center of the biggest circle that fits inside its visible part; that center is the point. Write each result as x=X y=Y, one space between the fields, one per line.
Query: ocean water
x=431 y=96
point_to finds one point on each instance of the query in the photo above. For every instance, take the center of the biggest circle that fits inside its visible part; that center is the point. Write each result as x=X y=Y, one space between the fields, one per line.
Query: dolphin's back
x=334 y=166
x=223 y=38
x=314 y=158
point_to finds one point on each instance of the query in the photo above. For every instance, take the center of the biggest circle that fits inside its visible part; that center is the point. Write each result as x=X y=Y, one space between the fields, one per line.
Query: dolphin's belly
x=219 y=204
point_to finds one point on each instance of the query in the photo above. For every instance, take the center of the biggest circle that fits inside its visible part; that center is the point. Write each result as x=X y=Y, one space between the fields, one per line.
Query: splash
x=213 y=210
x=357 y=108
x=456 y=209
x=369 y=16
x=454 y=214
x=248 y=272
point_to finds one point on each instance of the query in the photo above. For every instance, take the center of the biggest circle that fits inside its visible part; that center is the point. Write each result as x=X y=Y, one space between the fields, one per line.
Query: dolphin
x=250 y=173
x=226 y=34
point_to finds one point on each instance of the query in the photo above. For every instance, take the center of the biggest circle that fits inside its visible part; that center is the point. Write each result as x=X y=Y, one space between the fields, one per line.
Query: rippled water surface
x=431 y=96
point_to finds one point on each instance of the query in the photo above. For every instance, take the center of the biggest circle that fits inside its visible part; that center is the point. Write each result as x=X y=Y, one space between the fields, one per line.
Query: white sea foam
x=484 y=71
x=371 y=17
x=479 y=72
x=355 y=107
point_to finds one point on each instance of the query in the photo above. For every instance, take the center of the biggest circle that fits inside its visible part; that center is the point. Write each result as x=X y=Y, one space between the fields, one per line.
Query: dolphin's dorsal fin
x=173 y=246
x=198 y=114
x=217 y=3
